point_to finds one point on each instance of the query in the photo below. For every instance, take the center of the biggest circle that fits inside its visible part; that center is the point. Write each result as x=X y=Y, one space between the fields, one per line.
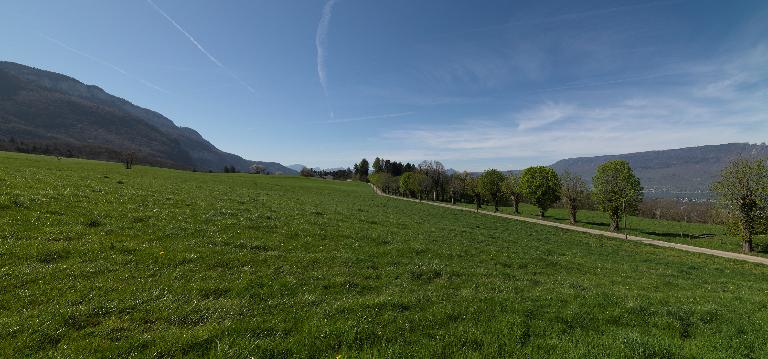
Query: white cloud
x=720 y=102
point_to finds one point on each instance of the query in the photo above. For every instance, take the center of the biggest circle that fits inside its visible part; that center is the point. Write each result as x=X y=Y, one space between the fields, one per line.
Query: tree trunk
x=572 y=213
x=746 y=246
x=516 y=204
x=541 y=214
x=615 y=224
x=453 y=200
x=495 y=204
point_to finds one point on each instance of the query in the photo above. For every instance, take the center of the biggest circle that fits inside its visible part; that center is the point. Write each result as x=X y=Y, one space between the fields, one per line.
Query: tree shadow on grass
x=678 y=235
x=599 y=224
x=760 y=247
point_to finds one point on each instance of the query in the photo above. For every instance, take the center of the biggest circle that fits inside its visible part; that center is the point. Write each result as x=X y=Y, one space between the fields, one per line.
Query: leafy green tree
x=405 y=184
x=414 y=184
x=472 y=191
x=743 y=192
x=574 y=192
x=391 y=184
x=511 y=189
x=362 y=170
x=489 y=184
x=541 y=185
x=377 y=165
x=616 y=190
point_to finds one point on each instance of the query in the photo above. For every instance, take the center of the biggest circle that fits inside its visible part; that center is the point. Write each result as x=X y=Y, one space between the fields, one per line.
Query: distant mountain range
x=45 y=110
x=683 y=173
x=297 y=167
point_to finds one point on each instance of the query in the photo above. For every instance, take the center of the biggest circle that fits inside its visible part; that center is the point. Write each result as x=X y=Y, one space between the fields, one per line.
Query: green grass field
x=96 y=260
x=694 y=234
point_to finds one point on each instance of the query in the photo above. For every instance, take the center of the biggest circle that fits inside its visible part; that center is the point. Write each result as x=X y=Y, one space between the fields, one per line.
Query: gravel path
x=654 y=242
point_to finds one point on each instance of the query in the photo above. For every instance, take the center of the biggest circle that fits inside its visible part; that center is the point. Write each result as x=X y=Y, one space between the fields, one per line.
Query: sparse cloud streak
x=103 y=62
x=368 y=118
x=321 y=40
x=83 y=54
x=200 y=47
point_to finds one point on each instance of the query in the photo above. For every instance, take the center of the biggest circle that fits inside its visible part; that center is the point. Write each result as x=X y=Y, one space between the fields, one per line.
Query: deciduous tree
x=541 y=186
x=743 y=193
x=458 y=186
x=574 y=192
x=616 y=190
x=511 y=189
x=489 y=184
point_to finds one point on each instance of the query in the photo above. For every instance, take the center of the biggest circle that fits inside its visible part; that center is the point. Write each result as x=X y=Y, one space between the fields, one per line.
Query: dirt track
x=654 y=242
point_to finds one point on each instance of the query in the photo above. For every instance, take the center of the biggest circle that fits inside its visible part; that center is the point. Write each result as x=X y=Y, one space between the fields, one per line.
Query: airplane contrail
x=94 y=58
x=104 y=62
x=200 y=47
x=321 y=39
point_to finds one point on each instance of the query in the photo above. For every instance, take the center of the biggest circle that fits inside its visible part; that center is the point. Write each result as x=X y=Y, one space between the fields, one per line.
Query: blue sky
x=475 y=84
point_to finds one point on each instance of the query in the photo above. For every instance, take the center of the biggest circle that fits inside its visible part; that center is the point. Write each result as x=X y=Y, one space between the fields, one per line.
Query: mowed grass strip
x=96 y=260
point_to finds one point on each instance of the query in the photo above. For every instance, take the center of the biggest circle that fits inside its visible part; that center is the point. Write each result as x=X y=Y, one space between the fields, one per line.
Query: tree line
x=616 y=190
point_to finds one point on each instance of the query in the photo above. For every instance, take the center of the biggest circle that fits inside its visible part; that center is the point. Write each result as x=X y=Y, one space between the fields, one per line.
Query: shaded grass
x=100 y=261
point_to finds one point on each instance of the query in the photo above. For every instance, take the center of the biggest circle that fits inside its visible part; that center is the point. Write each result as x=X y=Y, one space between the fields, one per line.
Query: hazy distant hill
x=297 y=167
x=49 y=110
x=684 y=172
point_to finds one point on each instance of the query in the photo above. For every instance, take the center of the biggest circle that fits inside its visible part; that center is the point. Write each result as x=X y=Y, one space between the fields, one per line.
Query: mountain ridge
x=50 y=108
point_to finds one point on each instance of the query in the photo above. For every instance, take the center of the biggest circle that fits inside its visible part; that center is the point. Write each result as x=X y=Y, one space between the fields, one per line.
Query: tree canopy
x=489 y=184
x=616 y=190
x=574 y=193
x=743 y=194
x=541 y=185
x=511 y=189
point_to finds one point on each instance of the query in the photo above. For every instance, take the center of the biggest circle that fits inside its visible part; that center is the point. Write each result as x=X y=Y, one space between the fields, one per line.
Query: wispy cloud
x=200 y=47
x=543 y=115
x=575 y=15
x=103 y=62
x=321 y=40
x=729 y=104
x=368 y=118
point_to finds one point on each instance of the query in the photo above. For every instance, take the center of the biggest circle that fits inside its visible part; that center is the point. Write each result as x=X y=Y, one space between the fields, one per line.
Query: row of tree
x=742 y=191
x=617 y=191
x=334 y=174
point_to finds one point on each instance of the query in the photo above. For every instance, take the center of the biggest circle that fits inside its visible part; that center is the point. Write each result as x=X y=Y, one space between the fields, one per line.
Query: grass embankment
x=99 y=260
x=694 y=234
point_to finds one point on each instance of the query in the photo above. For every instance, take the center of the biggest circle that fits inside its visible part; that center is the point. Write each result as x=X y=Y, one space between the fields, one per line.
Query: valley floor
x=96 y=260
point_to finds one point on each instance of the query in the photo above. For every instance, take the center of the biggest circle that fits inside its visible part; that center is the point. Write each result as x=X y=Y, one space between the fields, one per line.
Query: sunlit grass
x=695 y=234
x=99 y=260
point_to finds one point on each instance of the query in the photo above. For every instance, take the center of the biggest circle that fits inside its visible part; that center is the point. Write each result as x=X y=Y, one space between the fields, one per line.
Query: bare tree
x=435 y=171
x=128 y=160
x=258 y=169
x=573 y=192
x=511 y=189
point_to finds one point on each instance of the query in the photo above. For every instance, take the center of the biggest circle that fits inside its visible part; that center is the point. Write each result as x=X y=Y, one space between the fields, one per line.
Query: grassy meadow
x=96 y=260
x=694 y=234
